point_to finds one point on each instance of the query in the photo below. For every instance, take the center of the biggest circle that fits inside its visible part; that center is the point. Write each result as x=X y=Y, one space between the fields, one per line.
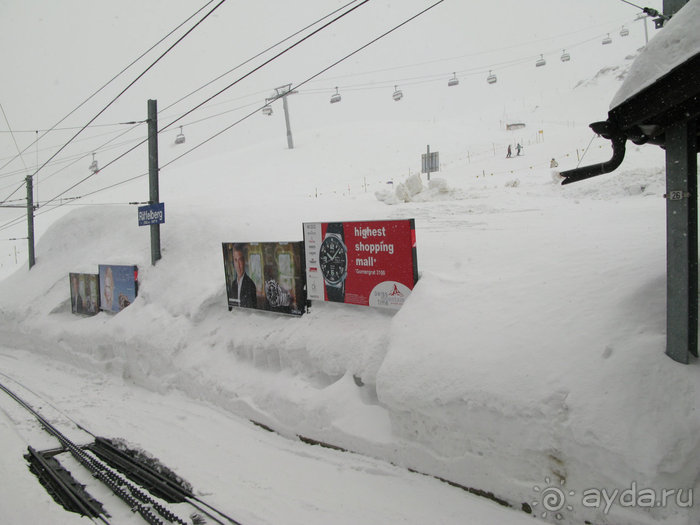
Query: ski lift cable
x=309 y=79
x=647 y=10
x=73 y=159
x=82 y=139
x=213 y=96
x=250 y=114
x=479 y=71
x=475 y=71
x=185 y=35
x=303 y=83
x=410 y=81
x=268 y=61
x=259 y=54
x=481 y=53
x=54 y=127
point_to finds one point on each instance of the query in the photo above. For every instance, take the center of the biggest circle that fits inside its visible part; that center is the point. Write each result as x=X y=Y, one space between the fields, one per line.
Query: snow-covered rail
x=143 y=488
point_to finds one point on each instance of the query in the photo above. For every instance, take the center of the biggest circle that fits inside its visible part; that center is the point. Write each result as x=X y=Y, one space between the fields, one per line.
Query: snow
x=530 y=353
x=678 y=42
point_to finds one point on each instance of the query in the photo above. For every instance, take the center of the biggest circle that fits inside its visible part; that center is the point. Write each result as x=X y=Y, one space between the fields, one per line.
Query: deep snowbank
x=531 y=348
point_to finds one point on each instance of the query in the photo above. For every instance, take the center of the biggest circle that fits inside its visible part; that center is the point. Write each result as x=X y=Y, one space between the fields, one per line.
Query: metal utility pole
x=282 y=92
x=30 y=220
x=153 y=175
x=681 y=233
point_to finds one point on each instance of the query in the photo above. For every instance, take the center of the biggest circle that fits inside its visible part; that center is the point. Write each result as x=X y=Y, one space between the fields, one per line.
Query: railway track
x=143 y=488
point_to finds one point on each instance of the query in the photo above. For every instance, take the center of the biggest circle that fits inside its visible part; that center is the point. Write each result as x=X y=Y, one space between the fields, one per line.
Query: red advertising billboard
x=369 y=263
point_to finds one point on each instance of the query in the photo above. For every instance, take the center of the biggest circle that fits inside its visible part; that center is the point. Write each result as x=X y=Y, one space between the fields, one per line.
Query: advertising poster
x=118 y=286
x=369 y=263
x=265 y=276
x=84 y=293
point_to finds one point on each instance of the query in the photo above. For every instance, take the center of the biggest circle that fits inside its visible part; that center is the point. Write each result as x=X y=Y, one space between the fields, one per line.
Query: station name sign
x=152 y=214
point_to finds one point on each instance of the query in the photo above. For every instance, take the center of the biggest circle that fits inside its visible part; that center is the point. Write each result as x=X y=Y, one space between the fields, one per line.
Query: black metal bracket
x=607 y=130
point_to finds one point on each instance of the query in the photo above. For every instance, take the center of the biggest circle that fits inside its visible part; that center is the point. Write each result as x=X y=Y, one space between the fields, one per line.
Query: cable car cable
x=258 y=55
x=249 y=114
x=112 y=79
x=213 y=96
x=187 y=33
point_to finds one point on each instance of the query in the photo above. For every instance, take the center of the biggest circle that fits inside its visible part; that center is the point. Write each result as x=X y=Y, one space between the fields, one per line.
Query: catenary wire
x=13 y=135
x=54 y=128
x=247 y=116
x=257 y=109
x=187 y=33
x=112 y=79
x=311 y=78
x=375 y=85
x=257 y=56
x=265 y=63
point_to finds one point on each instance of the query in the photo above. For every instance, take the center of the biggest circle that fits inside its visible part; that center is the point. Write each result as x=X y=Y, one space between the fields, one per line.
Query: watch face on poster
x=333 y=260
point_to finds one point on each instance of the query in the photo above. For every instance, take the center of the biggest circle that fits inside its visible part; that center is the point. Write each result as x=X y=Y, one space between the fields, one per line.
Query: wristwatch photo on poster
x=333 y=260
x=366 y=263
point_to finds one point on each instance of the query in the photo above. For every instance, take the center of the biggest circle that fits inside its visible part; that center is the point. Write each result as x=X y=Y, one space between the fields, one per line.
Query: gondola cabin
x=335 y=97
x=180 y=138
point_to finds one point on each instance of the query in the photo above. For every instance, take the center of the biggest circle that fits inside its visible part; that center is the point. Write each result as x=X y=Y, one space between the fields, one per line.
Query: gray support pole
x=682 y=242
x=290 y=142
x=153 y=175
x=428 y=161
x=30 y=220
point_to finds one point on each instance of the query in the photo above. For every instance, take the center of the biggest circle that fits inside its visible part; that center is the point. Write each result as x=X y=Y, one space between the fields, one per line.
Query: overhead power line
x=258 y=55
x=13 y=136
x=110 y=81
x=187 y=33
x=349 y=55
x=275 y=57
x=383 y=35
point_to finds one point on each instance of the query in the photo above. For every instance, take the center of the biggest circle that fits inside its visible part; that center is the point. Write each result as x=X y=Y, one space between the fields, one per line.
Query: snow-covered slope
x=531 y=351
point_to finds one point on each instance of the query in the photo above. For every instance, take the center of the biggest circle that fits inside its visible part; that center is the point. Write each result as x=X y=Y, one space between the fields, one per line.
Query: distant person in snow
x=510 y=152
x=518 y=147
x=553 y=163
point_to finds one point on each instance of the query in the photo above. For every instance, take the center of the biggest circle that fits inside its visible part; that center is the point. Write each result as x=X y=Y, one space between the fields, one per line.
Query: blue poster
x=118 y=286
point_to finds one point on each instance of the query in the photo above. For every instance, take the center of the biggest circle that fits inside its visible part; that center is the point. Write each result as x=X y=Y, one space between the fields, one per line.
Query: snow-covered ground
x=530 y=355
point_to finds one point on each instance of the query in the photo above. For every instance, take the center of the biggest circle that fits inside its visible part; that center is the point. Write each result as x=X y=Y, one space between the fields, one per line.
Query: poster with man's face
x=265 y=276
